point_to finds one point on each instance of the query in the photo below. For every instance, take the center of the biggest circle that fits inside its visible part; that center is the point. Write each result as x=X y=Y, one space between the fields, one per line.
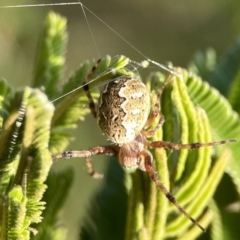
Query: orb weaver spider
x=123 y=113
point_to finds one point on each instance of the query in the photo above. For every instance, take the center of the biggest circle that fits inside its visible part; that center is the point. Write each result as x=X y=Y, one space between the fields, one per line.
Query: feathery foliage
x=129 y=206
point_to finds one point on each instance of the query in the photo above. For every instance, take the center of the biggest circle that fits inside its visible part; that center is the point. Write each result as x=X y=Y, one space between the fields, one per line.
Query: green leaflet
x=16 y=216
x=196 y=166
x=192 y=233
x=25 y=162
x=10 y=145
x=51 y=55
x=226 y=69
x=4 y=92
x=198 y=204
x=221 y=73
x=160 y=211
x=203 y=63
x=49 y=227
x=217 y=225
x=223 y=120
x=188 y=124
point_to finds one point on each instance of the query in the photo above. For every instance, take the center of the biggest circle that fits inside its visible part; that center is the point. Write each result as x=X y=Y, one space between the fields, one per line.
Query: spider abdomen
x=123 y=109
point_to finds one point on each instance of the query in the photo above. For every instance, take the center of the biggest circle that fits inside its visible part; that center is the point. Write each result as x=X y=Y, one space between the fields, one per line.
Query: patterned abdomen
x=123 y=109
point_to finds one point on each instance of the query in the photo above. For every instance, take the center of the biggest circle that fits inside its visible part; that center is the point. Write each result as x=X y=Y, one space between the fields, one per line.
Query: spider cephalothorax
x=123 y=113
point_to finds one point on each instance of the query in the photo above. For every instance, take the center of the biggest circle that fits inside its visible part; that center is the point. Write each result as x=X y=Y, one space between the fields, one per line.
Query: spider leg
x=155 y=112
x=90 y=169
x=151 y=132
x=108 y=150
x=176 y=146
x=170 y=197
x=86 y=89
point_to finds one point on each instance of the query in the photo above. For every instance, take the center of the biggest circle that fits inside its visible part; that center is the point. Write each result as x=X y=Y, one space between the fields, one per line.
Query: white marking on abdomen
x=136 y=95
x=135 y=111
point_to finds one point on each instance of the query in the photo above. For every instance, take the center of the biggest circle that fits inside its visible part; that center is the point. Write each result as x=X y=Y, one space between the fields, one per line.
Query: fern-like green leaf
x=50 y=228
x=226 y=69
x=51 y=55
x=224 y=121
x=217 y=225
x=10 y=139
x=5 y=91
x=25 y=162
x=16 y=215
x=31 y=132
x=203 y=63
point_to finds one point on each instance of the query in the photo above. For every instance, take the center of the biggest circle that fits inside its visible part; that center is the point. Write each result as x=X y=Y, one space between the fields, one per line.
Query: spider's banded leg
x=156 y=107
x=86 y=89
x=108 y=150
x=87 y=155
x=170 y=197
x=175 y=146
x=152 y=132
x=156 y=111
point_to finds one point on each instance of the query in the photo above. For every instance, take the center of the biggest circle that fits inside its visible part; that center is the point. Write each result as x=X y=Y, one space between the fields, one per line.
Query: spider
x=123 y=113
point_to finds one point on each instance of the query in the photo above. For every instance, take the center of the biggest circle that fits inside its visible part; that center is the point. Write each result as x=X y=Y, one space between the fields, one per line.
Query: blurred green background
x=165 y=31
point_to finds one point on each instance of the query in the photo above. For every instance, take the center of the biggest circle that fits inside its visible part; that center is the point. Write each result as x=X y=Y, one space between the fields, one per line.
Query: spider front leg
x=146 y=156
x=109 y=150
x=86 y=89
